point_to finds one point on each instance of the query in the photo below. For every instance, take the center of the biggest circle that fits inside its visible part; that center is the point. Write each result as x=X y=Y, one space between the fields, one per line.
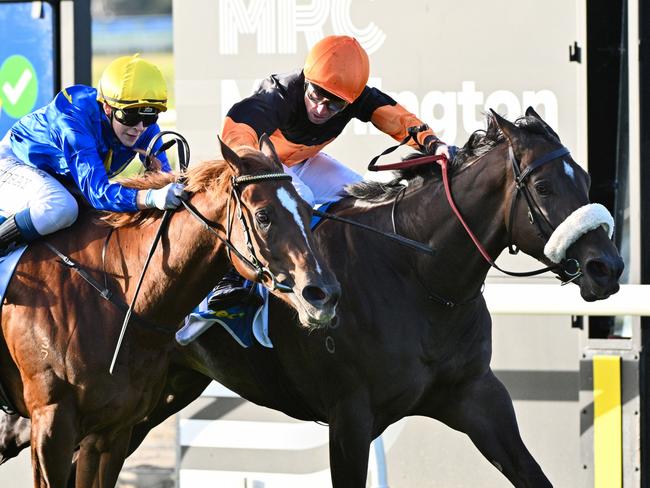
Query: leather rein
x=569 y=267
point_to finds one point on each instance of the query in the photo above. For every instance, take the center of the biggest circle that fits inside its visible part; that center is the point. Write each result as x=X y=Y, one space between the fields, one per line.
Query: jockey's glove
x=166 y=198
x=433 y=146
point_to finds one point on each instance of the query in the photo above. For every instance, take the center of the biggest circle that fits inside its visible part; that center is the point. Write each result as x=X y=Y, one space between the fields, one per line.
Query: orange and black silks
x=277 y=108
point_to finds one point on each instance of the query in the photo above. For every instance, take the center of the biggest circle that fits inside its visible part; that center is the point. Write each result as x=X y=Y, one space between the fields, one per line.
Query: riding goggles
x=133 y=116
x=319 y=96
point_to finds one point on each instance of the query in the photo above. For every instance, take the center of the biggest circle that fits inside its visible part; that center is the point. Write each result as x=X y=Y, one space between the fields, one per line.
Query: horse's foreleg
x=112 y=459
x=87 y=463
x=15 y=432
x=100 y=459
x=483 y=410
x=182 y=387
x=53 y=438
x=350 y=435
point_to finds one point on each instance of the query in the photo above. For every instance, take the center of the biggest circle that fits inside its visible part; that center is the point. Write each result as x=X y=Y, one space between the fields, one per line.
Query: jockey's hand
x=166 y=198
x=449 y=151
x=434 y=146
x=153 y=163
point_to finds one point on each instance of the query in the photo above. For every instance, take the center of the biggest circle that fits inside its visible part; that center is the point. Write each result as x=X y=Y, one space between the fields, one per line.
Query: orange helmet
x=339 y=65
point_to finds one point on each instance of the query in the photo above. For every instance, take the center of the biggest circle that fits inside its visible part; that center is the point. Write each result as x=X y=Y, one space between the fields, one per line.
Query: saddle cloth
x=244 y=323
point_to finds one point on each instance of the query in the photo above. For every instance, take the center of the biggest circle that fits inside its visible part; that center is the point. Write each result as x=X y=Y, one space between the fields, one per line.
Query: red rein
x=442 y=160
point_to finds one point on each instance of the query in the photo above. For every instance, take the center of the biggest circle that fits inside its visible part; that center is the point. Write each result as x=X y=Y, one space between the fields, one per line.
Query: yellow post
x=608 y=447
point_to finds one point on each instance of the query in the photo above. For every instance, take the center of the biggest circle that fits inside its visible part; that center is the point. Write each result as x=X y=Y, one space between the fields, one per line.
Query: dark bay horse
x=59 y=334
x=414 y=334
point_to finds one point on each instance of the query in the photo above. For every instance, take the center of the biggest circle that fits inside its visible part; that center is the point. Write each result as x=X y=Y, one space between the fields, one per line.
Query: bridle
x=570 y=268
x=253 y=262
x=236 y=183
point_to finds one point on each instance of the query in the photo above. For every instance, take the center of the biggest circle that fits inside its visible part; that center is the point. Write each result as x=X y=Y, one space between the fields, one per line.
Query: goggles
x=133 y=116
x=319 y=96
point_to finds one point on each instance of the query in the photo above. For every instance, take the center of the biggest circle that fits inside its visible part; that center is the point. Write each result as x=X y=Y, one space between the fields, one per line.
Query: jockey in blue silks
x=81 y=139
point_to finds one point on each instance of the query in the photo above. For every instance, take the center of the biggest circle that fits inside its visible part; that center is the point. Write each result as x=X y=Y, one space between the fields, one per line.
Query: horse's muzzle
x=316 y=304
x=601 y=277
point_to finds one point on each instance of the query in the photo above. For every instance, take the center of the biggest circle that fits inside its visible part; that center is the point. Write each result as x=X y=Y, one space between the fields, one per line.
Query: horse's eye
x=262 y=217
x=542 y=188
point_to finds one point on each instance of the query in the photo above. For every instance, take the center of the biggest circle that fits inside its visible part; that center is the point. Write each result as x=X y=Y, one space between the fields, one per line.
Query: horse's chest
x=453 y=350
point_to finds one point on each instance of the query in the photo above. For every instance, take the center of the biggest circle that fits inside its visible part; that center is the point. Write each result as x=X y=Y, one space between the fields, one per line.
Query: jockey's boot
x=232 y=290
x=10 y=234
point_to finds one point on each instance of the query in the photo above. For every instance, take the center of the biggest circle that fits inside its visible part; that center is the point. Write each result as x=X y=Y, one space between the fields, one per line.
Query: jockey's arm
x=88 y=172
x=249 y=119
x=393 y=119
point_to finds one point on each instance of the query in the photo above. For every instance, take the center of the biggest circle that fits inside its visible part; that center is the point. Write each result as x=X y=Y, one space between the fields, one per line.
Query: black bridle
x=253 y=262
x=569 y=267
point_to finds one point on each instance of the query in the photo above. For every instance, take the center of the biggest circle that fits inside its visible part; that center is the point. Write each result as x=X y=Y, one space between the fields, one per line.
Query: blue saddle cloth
x=245 y=323
x=317 y=219
x=236 y=320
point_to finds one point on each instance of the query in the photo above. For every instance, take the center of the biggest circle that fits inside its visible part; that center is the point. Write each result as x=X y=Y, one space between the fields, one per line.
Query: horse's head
x=550 y=216
x=270 y=226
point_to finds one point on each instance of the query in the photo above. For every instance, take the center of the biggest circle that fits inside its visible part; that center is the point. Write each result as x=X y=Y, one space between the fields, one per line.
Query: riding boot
x=232 y=290
x=16 y=230
x=9 y=234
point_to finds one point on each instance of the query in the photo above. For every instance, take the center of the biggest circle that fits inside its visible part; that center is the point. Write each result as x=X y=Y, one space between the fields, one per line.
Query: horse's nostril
x=599 y=269
x=313 y=294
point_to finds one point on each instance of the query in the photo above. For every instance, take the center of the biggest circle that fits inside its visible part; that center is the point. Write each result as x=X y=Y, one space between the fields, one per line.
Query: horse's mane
x=212 y=176
x=479 y=143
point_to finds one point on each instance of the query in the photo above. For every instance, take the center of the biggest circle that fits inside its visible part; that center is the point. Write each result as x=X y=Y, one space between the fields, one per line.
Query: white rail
x=549 y=299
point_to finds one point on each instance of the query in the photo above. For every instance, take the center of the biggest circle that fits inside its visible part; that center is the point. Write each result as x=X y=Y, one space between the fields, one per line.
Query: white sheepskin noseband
x=580 y=222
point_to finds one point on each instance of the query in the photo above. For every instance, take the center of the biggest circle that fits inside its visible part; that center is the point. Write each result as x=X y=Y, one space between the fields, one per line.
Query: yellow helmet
x=130 y=82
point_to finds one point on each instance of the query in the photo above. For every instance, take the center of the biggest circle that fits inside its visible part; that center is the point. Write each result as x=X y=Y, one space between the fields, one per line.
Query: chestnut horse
x=59 y=334
x=414 y=335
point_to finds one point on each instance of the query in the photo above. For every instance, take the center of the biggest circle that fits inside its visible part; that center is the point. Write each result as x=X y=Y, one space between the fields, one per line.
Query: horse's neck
x=424 y=214
x=187 y=262
x=479 y=193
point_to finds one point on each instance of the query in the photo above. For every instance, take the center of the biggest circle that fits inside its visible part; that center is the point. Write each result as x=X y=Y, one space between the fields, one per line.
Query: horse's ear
x=268 y=149
x=510 y=130
x=530 y=112
x=230 y=156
